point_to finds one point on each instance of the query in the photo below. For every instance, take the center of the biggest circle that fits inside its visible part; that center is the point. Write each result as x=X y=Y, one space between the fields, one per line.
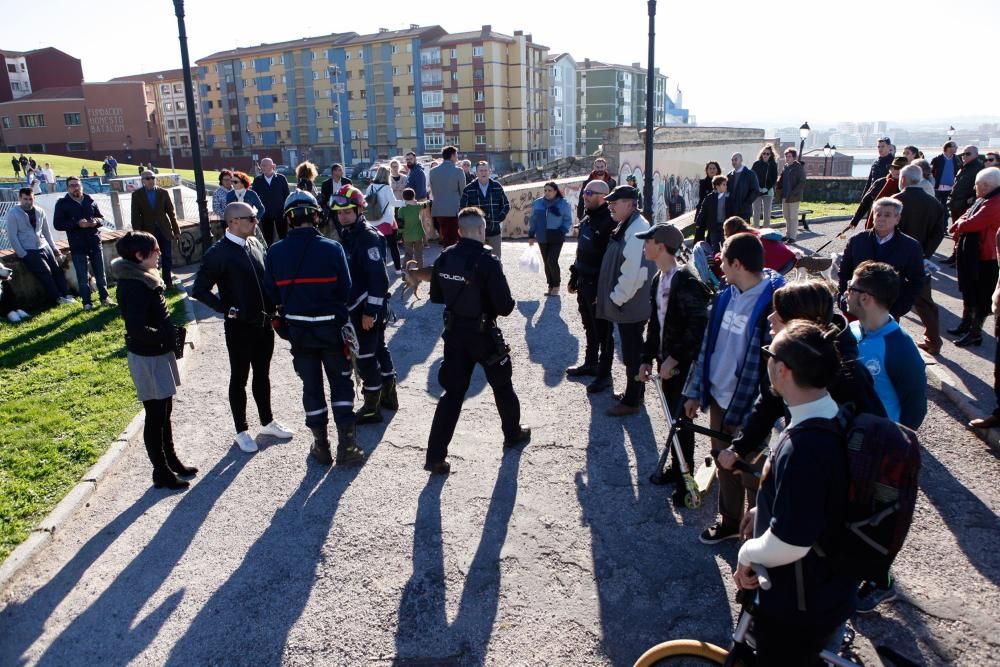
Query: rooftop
x=153 y=77
x=58 y=93
x=305 y=42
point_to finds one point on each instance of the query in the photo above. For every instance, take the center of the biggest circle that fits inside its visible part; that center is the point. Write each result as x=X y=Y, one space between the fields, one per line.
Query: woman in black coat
x=151 y=340
x=810 y=300
x=705 y=187
x=766 y=170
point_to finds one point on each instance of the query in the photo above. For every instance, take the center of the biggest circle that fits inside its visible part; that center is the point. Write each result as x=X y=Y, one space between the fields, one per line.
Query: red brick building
x=25 y=72
x=90 y=120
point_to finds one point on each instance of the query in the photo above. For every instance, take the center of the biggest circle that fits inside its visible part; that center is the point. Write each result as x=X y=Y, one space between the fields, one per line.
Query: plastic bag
x=531 y=259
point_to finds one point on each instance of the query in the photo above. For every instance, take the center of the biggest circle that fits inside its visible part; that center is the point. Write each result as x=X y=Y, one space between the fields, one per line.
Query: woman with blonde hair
x=386 y=220
x=306 y=172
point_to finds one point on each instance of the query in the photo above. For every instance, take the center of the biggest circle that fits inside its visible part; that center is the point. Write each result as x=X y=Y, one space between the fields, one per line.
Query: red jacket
x=777 y=256
x=982 y=217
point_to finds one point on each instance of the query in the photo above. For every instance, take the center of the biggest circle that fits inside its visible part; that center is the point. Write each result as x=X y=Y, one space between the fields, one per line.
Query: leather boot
x=371 y=411
x=348 y=451
x=963 y=326
x=170 y=454
x=163 y=476
x=974 y=336
x=321 y=445
x=389 y=399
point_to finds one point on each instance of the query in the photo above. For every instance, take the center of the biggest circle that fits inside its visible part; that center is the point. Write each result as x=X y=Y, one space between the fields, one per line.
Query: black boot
x=522 y=436
x=963 y=326
x=163 y=476
x=389 y=400
x=371 y=411
x=321 y=445
x=348 y=451
x=173 y=462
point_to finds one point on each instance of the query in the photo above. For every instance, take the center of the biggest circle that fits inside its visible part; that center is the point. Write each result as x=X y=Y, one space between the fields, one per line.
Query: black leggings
x=550 y=260
x=249 y=347
x=393 y=242
x=156 y=432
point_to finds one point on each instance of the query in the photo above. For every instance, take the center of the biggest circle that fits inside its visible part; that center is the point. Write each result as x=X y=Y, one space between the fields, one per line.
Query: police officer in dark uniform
x=468 y=279
x=368 y=302
x=307 y=277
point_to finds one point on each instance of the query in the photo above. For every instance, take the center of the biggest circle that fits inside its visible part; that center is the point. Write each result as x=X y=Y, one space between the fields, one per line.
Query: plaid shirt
x=748 y=383
x=494 y=203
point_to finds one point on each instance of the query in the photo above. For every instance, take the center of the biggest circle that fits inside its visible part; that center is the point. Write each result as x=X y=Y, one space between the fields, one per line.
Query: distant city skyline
x=813 y=64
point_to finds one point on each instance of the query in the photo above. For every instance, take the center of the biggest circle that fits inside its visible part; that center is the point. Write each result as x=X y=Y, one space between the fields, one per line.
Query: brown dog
x=412 y=278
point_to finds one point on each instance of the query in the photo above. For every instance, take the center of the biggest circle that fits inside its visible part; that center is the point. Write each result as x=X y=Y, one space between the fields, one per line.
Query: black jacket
x=271 y=196
x=766 y=172
x=880 y=169
x=901 y=252
x=853 y=384
x=706 y=221
x=937 y=166
x=326 y=191
x=67 y=216
x=307 y=274
x=469 y=280
x=149 y=332
x=704 y=189
x=239 y=273
x=592 y=240
x=685 y=322
x=744 y=193
x=923 y=218
x=963 y=194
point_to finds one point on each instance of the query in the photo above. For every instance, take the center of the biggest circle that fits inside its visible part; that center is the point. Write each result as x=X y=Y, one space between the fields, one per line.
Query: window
x=395 y=90
x=395 y=70
x=433 y=140
x=454 y=54
x=347 y=55
x=31 y=120
x=480 y=96
x=409 y=90
x=361 y=54
x=454 y=98
x=180 y=106
x=173 y=141
x=477 y=74
x=184 y=140
x=71 y=118
x=364 y=134
x=479 y=117
x=364 y=94
x=182 y=123
x=315 y=75
x=170 y=123
x=164 y=87
x=454 y=76
x=432 y=98
x=12 y=68
x=477 y=52
x=399 y=112
x=178 y=88
x=393 y=48
x=210 y=105
x=6 y=122
x=454 y=119
x=168 y=106
x=480 y=139
x=409 y=48
x=348 y=75
x=76 y=146
x=434 y=119
x=409 y=69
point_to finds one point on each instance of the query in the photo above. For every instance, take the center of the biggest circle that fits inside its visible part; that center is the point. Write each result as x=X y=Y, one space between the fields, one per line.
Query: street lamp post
x=803 y=134
x=199 y=177
x=647 y=184
x=335 y=75
x=827 y=152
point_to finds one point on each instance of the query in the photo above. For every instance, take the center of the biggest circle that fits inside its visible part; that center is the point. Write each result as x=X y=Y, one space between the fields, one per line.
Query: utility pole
x=647 y=186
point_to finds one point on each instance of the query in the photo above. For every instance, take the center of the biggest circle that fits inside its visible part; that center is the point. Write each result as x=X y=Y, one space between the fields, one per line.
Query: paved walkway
x=562 y=554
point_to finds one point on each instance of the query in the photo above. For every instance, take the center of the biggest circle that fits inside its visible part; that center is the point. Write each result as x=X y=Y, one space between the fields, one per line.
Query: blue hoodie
x=897 y=369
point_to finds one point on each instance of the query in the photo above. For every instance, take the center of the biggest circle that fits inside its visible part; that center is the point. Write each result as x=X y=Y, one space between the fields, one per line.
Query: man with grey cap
x=592 y=240
x=679 y=305
x=622 y=292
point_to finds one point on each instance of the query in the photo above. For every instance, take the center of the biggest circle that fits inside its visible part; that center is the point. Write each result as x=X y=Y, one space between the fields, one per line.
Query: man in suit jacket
x=273 y=190
x=447 y=185
x=153 y=212
x=743 y=188
x=923 y=219
x=332 y=186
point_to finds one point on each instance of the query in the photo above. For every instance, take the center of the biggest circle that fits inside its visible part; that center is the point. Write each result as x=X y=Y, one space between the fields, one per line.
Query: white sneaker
x=13 y=317
x=245 y=442
x=277 y=429
x=66 y=299
x=23 y=314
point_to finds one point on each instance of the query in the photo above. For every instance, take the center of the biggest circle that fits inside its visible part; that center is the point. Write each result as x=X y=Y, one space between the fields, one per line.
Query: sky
x=768 y=63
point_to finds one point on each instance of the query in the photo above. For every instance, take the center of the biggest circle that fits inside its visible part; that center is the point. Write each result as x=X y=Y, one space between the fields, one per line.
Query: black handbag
x=180 y=337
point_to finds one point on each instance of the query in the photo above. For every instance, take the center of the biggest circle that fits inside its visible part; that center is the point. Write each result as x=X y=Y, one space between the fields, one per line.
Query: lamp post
x=199 y=177
x=647 y=182
x=803 y=134
x=337 y=89
x=826 y=156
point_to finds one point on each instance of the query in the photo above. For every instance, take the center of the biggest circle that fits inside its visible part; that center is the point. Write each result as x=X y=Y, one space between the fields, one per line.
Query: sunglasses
x=768 y=354
x=591 y=193
x=991 y=159
x=967 y=154
x=149 y=178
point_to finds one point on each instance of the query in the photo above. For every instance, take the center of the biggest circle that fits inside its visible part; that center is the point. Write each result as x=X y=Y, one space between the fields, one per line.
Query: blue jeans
x=42 y=263
x=94 y=253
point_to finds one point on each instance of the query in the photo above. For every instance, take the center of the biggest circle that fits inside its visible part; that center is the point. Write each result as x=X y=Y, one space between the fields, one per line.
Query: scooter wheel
x=692 y=501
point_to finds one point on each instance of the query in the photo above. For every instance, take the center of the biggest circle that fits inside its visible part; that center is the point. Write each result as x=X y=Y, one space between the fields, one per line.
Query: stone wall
x=844 y=189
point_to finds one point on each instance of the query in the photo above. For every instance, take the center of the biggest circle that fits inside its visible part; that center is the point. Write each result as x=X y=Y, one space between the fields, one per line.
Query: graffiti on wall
x=522 y=198
x=662 y=187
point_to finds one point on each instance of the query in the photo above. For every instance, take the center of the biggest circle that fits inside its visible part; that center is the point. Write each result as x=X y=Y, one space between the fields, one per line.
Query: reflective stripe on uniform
x=306 y=318
x=305 y=281
x=313 y=413
x=366 y=356
x=375 y=301
x=360 y=299
x=341 y=404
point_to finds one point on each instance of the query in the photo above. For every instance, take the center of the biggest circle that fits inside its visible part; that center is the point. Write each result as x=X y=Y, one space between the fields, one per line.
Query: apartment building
x=611 y=95
x=27 y=71
x=562 y=103
x=486 y=93
x=290 y=96
x=166 y=89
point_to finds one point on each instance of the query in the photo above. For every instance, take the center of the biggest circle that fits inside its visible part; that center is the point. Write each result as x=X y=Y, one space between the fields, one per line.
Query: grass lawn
x=65 y=395
x=64 y=166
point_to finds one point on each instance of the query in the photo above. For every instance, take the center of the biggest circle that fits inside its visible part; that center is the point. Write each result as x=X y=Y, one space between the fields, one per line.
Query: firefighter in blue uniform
x=368 y=302
x=307 y=277
x=468 y=279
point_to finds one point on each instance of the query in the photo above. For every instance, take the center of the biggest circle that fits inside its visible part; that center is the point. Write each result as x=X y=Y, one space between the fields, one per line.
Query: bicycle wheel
x=681 y=652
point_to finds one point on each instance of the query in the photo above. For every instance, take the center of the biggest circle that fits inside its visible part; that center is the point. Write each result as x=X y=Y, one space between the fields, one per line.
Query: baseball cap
x=623 y=192
x=665 y=233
